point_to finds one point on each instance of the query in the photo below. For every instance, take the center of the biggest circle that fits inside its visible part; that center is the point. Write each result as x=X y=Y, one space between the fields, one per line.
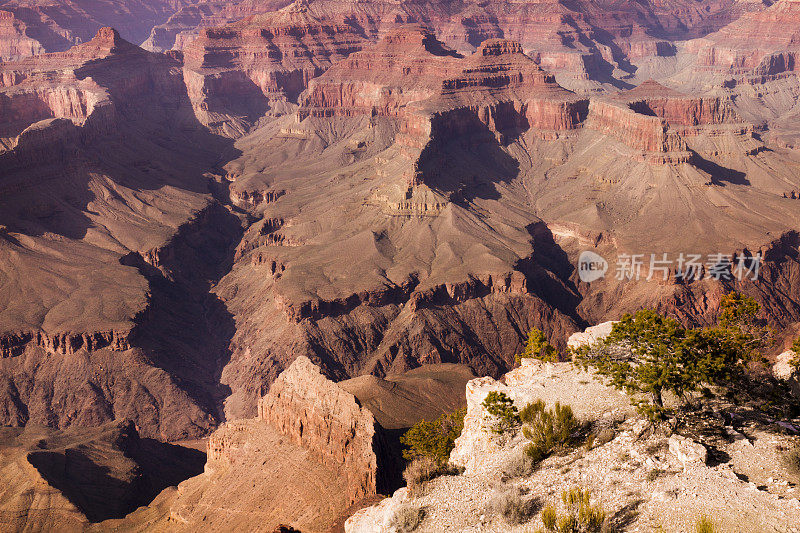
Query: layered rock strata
x=656 y=121
x=313 y=450
x=760 y=45
x=39 y=26
x=316 y=414
x=261 y=64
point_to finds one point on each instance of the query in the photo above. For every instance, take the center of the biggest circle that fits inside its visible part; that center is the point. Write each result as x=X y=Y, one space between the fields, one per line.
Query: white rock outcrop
x=782 y=369
x=477 y=447
x=591 y=334
x=378 y=518
x=687 y=451
x=667 y=480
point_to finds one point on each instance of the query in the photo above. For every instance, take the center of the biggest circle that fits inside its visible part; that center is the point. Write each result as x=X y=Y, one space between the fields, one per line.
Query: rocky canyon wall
x=318 y=415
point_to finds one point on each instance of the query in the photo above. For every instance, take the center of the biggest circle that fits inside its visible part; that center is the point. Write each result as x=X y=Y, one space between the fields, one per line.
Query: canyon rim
x=247 y=245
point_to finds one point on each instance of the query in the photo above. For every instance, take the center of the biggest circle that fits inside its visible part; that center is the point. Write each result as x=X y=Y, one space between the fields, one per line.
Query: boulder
x=687 y=451
x=782 y=369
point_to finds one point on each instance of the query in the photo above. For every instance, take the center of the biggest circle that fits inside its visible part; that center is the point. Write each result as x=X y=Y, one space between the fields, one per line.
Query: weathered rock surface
x=656 y=121
x=476 y=447
x=74 y=183
x=666 y=479
x=423 y=205
x=185 y=23
x=312 y=452
x=236 y=73
x=46 y=26
x=583 y=41
x=16 y=43
x=427 y=141
x=318 y=415
x=590 y=335
x=762 y=43
x=782 y=369
x=687 y=451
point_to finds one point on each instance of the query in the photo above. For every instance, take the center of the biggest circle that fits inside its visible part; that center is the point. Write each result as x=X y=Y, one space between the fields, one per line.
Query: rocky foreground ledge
x=644 y=480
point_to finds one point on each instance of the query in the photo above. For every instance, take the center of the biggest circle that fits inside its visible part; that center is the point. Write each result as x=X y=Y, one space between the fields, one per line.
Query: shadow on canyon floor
x=105 y=486
x=187 y=329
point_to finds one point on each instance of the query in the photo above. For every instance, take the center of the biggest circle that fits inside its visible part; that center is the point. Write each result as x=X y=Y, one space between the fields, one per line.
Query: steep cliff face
x=75 y=125
x=613 y=466
x=15 y=42
x=100 y=75
x=67 y=480
x=261 y=64
x=318 y=415
x=437 y=94
x=517 y=96
x=184 y=23
x=582 y=40
x=311 y=453
x=656 y=120
x=641 y=132
x=762 y=43
x=407 y=65
x=46 y=26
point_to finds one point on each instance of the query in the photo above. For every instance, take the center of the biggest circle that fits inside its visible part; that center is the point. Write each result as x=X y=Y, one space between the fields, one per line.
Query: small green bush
x=704 y=524
x=434 y=439
x=547 y=428
x=580 y=516
x=408 y=518
x=537 y=347
x=532 y=411
x=502 y=408
x=795 y=361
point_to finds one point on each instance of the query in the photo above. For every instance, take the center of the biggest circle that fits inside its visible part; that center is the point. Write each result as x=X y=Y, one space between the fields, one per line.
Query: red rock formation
x=407 y=65
x=574 y=38
x=99 y=75
x=185 y=23
x=14 y=39
x=528 y=97
x=648 y=134
x=68 y=185
x=677 y=109
x=261 y=63
x=656 y=120
x=410 y=73
x=761 y=43
x=13 y=344
x=318 y=415
x=48 y=26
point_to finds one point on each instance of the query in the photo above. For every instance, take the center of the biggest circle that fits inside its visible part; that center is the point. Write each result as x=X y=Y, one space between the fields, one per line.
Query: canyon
x=206 y=204
x=413 y=141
